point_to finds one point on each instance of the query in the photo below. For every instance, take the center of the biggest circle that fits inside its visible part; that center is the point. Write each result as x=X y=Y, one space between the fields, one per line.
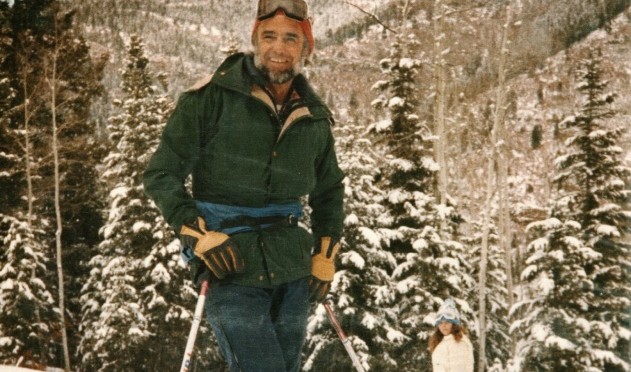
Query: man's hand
x=322 y=268
x=216 y=249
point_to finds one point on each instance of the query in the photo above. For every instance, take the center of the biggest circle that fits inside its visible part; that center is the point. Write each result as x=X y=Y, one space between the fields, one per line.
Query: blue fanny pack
x=230 y=219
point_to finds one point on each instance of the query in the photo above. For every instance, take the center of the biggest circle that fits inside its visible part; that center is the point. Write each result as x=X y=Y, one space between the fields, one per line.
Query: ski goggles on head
x=446 y=318
x=296 y=9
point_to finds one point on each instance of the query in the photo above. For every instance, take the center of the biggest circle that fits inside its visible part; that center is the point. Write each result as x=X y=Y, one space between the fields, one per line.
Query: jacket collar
x=238 y=73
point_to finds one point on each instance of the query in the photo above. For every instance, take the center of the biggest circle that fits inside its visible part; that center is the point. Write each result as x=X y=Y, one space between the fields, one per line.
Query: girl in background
x=450 y=346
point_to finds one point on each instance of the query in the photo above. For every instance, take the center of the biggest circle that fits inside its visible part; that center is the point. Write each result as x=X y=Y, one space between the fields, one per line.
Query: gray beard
x=277 y=77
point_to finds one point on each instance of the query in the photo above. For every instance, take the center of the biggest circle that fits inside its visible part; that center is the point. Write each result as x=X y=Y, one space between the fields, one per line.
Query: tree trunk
x=52 y=82
x=498 y=160
x=501 y=150
x=439 y=101
x=484 y=249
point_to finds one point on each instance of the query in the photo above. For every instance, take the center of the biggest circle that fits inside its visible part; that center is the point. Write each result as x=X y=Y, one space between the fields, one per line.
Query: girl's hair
x=457 y=331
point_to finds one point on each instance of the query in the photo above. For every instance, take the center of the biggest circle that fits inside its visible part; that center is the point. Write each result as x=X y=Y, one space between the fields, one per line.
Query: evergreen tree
x=136 y=305
x=578 y=315
x=29 y=317
x=362 y=292
x=553 y=322
x=431 y=264
x=594 y=181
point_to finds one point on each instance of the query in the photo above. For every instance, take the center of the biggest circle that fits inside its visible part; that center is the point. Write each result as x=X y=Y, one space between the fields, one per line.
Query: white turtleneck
x=453 y=356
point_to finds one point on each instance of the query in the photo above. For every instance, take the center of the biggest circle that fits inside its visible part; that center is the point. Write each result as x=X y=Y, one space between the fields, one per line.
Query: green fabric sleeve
x=174 y=159
x=327 y=199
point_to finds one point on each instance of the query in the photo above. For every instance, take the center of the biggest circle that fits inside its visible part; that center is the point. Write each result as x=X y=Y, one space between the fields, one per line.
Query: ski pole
x=197 y=318
x=345 y=341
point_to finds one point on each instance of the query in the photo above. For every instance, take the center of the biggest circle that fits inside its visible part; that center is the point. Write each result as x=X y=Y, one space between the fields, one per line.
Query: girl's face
x=445 y=328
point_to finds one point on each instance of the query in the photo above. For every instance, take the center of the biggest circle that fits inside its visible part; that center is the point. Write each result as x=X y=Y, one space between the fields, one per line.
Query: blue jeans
x=260 y=329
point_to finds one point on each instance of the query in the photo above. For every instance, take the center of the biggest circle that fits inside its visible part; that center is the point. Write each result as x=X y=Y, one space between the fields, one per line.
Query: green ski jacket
x=241 y=151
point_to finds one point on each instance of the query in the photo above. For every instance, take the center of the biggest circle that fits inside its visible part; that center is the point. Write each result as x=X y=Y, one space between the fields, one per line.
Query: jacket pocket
x=288 y=252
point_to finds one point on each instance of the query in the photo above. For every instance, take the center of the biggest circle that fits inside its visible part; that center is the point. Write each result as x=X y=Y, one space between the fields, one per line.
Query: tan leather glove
x=322 y=268
x=218 y=251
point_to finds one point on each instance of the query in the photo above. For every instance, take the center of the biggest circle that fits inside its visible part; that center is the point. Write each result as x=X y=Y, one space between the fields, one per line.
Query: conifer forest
x=486 y=148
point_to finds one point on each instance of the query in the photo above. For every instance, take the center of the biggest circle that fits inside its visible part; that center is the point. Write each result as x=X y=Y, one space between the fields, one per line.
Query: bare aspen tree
x=28 y=112
x=51 y=78
x=440 y=67
x=502 y=159
x=498 y=159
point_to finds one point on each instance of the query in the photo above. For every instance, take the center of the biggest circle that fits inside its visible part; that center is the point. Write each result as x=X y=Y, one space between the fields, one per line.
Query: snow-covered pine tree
x=29 y=317
x=577 y=316
x=552 y=323
x=594 y=182
x=137 y=307
x=418 y=231
x=362 y=295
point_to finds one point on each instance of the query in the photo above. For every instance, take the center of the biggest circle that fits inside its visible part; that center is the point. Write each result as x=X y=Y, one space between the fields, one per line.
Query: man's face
x=279 y=48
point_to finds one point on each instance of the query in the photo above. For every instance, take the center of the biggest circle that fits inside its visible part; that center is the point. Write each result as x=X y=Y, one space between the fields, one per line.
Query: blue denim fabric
x=258 y=329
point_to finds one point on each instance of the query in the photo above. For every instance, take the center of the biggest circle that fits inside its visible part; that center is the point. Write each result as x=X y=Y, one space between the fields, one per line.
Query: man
x=256 y=139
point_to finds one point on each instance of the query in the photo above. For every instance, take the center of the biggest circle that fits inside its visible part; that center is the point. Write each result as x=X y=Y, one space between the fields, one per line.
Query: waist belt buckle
x=292 y=220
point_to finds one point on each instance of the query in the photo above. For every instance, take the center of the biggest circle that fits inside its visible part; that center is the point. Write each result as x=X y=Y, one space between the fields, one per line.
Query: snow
x=583 y=324
x=539 y=244
x=545 y=284
x=371 y=236
x=140 y=226
x=382 y=125
x=559 y=343
x=119 y=192
x=355 y=258
x=624 y=333
x=7 y=285
x=395 y=336
x=572 y=242
x=420 y=244
x=351 y=219
x=607 y=230
x=407 y=63
x=557 y=255
x=5 y=341
x=447 y=263
x=369 y=321
x=396 y=102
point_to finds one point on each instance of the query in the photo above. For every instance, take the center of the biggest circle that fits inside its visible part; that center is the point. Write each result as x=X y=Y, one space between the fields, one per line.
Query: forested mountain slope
x=185 y=38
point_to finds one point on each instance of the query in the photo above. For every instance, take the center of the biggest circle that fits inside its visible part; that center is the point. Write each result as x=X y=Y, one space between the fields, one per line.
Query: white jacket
x=453 y=356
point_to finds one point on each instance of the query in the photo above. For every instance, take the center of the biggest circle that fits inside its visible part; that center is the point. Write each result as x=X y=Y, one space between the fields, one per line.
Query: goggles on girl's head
x=296 y=9
x=446 y=318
